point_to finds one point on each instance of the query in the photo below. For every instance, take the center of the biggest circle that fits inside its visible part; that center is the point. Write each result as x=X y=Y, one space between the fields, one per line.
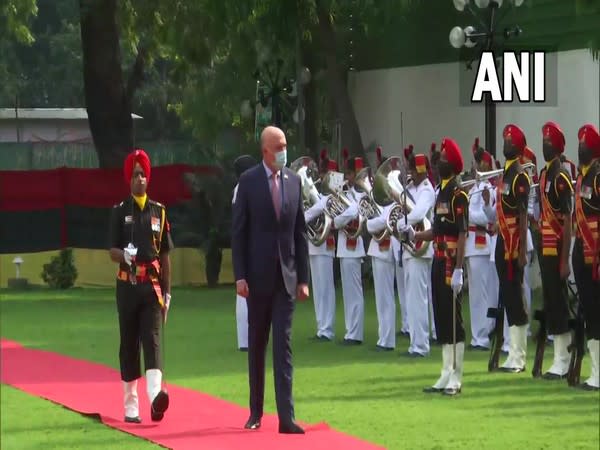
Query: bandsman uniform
x=321 y=265
x=448 y=234
x=140 y=240
x=417 y=269
x=556 y=192
x=477 y=253
x=511 y=245
x=240 y=165
x=351 y=252
x=382 y=262
x=586 y=253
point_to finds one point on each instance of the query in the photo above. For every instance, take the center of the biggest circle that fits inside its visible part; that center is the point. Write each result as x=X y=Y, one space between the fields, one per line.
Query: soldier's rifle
x=577 y=346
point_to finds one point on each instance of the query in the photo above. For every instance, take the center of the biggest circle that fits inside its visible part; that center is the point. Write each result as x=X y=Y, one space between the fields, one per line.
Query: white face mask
x=280 y=159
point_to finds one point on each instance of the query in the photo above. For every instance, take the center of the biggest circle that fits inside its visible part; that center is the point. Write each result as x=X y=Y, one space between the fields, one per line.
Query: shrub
x=60 y=272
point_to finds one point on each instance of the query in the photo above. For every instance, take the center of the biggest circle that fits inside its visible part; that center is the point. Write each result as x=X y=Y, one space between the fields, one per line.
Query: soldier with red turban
x=586 y=252
x=556 y=191
x=512 y=198
x=450 y=222
x=140 y=242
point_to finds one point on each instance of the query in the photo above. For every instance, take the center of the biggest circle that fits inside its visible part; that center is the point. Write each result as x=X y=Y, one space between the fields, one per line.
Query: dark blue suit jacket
x=259 y=240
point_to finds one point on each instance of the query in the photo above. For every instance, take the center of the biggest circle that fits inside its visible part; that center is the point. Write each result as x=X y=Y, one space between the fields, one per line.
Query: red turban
x=516 y=135
x=486 y=157
x=588 y=134
x=453 y=154
x=137 y=156
x=332 y=165
x=557 y=138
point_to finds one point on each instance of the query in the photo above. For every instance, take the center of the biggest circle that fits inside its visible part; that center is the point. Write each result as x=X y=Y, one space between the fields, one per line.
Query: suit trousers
x=139 y=321
x=402 y=301
x=241 y=317
x=385 y=301
x=417 y=277
x=442 y=305
x=323 y=287
x=479 y=274
x=354 y=302
x=587 y=289
x=265 y=310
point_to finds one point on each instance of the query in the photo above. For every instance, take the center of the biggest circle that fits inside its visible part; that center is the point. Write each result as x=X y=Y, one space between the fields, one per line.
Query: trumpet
x=482 y=176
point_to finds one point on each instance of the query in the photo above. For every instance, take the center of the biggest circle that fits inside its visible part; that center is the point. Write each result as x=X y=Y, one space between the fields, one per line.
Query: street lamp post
x=273 y=87
x=482 y=38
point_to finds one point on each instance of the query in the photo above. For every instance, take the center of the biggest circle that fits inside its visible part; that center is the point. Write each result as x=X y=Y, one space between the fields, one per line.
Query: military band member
x=417 y=268
x=321 y=264
x=556 y=191
x=448 y=233
x=382 y=262
x=477 y=254
x=511 y=245
x=586 y=253
x=240 y=165
x=140 y=241
x=351 y=252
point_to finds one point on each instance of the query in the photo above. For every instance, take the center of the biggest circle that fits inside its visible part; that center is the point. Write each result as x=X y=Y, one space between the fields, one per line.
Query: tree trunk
x=107 y=96
x=311 y=136
x=351 y=138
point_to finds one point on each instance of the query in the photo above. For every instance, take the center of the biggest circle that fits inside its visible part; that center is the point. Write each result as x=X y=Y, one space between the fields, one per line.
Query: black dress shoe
x=413 y=355
x=159 y=405
x=381 y=348
x=432 y=390
x=320 y=338
x=243 y=349
x=133 y=419
x=588 y=387
x=452 y=391
x=511 y=369
x=553 y=376
x=351 y=342
x=253 y=423
x=290 y=428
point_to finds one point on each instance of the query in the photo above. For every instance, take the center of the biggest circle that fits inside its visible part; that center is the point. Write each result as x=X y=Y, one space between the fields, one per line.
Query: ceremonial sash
x=384 y=245
x=445 y=247
x=552 y=229
x=143 y=274
x=587 y=229
x=480 y=238
x=331 y=242
x=508 y=230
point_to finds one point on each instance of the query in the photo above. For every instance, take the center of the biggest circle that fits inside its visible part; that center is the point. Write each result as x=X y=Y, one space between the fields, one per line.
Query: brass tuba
x=333 y=184
x=387 y=188
x=319 y=228
x=367 y=207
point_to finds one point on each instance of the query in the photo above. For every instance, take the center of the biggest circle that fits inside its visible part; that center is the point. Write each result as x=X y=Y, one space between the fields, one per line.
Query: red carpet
x=194 y=420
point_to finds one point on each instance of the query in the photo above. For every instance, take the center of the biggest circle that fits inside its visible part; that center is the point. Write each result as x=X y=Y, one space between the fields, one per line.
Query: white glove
x=128 y=254
x=322 y=203
x=167 y=301
x=407 y=232
x=457 y=281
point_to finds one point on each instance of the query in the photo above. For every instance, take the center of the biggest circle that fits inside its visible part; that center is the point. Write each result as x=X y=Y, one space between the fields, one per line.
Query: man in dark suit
x=270 y=261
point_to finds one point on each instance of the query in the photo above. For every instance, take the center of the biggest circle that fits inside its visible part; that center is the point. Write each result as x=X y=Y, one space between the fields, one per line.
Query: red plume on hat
x=345 y=156
x=323 y=154
x=476 y=145
x=136 y=156
x=379 y=157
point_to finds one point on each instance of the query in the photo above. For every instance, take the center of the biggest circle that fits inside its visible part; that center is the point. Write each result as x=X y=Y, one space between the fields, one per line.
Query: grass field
x=372 y=395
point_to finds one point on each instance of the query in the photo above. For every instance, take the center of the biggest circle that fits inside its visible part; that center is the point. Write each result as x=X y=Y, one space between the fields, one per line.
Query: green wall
x=421 y=36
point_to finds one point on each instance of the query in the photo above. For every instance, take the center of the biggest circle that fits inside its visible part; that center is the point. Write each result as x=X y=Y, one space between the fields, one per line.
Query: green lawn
x=376 y=396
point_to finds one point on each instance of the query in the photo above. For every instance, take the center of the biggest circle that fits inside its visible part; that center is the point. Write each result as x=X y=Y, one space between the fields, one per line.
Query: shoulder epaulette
x=154 y=202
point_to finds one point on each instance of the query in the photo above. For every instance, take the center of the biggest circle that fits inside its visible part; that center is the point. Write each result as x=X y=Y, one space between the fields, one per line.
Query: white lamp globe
x=457 y=37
